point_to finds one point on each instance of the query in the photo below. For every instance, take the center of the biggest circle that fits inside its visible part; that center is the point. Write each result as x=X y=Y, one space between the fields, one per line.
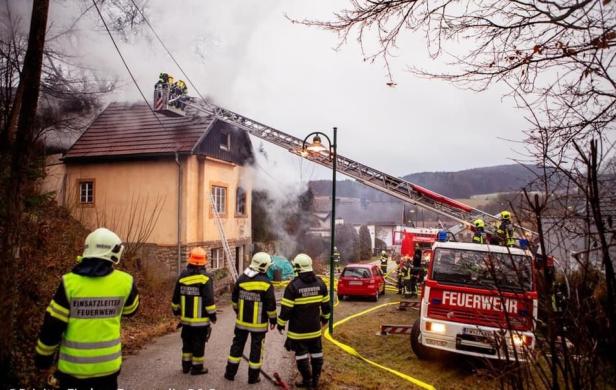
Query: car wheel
x=422 y=352
x=375 y=297
x=340 y=297
x=383 y=291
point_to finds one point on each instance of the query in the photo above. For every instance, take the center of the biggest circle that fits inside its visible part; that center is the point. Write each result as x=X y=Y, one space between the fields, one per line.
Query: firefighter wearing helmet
x=83 y=318
x=479 y=236
x=384 y=260
x=505 y=229
x=255 y=305
x=193 y=301
x=306 y=307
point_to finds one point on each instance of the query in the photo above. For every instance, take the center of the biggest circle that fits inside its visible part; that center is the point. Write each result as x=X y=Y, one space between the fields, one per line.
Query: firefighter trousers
x=193 y=346
x=308 y=354
x=255 y=360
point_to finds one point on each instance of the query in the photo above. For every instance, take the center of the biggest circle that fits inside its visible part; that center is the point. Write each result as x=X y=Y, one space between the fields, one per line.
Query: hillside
x=460 y=184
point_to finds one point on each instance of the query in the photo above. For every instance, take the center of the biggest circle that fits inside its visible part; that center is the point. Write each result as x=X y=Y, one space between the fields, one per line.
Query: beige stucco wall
x=125 y=191
x=138 y=189
x=200 y=175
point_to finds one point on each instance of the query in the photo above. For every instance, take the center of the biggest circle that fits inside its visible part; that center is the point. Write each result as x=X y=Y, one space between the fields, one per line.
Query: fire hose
x=353 y=352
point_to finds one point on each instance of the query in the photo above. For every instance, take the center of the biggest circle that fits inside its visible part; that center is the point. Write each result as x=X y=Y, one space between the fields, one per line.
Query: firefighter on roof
x=306 y=307
x=255 y=304
x=83 y=318
x=384 y=260
x=193 y=301
x=479 y=237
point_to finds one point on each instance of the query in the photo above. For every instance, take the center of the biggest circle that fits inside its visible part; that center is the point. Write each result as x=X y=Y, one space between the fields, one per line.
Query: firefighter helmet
x=302 y=263
x=383 y=253
x=103 y=244
x=505 y=214
x=479 y=223
x=197 y=257
x=261 y=261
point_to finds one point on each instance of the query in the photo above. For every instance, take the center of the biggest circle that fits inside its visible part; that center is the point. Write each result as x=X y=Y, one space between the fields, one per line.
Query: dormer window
x=225 y=141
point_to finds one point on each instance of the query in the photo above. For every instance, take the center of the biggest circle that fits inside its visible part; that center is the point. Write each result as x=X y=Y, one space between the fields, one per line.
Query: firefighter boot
x=186 y=362
x=198 y=369
x=253 y=375
x=304 y=369
x=231 y=370
x=317 y=364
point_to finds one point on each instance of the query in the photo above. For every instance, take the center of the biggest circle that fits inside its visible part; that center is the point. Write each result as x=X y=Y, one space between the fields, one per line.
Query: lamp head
x=316 y=146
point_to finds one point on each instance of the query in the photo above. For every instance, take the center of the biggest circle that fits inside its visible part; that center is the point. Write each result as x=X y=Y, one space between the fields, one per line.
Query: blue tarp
x=282 y=264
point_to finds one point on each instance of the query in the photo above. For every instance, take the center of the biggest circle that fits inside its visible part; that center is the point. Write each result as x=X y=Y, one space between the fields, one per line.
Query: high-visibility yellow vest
x=91 y=344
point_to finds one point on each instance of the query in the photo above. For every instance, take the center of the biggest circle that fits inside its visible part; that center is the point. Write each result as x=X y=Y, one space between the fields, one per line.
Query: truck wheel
x=422 y=352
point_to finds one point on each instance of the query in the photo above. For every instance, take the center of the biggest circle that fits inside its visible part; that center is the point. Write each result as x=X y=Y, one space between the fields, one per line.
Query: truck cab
x=477 y=300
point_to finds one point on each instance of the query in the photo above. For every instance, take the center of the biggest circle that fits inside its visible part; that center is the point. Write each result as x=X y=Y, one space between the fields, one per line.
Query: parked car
x=361 y=280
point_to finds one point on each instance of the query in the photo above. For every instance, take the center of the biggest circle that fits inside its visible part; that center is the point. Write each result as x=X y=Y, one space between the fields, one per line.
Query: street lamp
x=317 y=147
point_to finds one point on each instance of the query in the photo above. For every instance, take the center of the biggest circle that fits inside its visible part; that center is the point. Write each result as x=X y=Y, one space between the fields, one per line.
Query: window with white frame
x=216 y=258
x=220 y=199
x=240 y=201
x=225 y=141
x=86 y=192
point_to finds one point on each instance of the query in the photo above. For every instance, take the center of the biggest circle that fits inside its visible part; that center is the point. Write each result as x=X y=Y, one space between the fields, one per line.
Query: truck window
x=482 y=269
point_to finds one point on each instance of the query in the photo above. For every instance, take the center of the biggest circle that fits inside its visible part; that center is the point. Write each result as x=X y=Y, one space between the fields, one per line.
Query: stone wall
x=167 y=257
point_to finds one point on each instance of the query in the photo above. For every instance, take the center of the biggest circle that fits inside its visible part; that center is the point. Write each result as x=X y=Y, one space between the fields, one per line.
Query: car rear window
x=356 y=272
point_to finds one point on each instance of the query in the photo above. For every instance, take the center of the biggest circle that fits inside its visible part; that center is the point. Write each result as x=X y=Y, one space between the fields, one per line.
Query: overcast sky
x=249 y=58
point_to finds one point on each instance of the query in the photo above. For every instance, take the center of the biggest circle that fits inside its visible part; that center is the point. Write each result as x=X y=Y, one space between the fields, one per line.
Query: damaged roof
x=132 y=130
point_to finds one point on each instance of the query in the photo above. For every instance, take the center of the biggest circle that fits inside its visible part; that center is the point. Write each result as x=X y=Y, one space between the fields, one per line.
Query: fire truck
x=477 y=299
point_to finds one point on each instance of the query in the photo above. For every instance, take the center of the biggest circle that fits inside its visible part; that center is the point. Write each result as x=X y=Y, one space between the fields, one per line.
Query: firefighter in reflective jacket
x=83 y=318
x=193 y=301
x=255 y=304
x=305 y=306
x=384 y=260
x=505 y=229
x=479 y=237
x=408 y=276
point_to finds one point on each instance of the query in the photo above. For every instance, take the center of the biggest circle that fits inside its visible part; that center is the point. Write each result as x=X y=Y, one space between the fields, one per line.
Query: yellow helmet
x=479 y=223
x=505 y=214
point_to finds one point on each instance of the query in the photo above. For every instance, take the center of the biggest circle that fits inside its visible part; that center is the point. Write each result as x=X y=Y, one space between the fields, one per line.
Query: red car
x=361 y=280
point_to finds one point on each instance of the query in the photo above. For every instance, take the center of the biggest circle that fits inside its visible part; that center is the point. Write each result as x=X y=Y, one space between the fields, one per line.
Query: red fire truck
x=411 y=238
x=478 y=300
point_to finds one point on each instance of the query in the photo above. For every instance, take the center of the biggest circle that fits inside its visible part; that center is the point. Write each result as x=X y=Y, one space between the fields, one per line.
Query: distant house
x=132 y=167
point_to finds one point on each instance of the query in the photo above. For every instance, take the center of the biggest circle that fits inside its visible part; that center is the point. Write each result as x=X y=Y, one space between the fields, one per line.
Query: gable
x=226 y=142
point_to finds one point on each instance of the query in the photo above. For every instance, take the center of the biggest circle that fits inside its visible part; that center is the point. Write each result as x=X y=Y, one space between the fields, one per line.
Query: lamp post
x=317 y=147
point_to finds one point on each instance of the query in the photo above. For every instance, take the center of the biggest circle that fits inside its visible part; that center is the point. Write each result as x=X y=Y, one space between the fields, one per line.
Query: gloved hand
x=280 y=329
x=324 y=321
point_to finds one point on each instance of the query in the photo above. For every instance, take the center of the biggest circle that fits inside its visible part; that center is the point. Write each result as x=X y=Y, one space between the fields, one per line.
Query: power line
x=168 y=51
x=126 y=64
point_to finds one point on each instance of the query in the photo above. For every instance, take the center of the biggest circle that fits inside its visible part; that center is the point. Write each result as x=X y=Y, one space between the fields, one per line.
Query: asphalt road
x=158 y=365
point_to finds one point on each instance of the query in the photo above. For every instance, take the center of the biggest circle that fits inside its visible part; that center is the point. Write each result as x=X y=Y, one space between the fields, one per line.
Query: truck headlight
x=435 y=327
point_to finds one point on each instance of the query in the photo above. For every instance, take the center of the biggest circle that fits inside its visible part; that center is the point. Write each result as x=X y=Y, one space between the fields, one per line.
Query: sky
x=248 y=57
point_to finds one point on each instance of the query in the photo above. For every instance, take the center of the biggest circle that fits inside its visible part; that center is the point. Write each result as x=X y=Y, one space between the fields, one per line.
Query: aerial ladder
x=381 y=181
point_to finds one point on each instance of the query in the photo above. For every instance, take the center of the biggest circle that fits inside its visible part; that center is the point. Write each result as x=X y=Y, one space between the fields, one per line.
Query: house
x=153 y=178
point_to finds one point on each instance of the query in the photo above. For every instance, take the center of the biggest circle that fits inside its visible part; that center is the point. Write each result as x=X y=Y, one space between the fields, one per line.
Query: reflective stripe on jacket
x=254 y=302
x=193 y=297
x=304 y=304
x=91 y=345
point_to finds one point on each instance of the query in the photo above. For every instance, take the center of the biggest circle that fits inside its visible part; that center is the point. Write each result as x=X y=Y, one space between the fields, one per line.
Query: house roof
x=124 y=130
